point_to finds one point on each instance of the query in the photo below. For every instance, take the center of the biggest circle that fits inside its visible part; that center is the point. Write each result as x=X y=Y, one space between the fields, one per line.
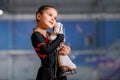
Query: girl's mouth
x=51 y=22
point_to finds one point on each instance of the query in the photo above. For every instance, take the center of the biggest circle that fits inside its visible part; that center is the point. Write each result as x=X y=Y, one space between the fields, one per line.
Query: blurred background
x=92 y=29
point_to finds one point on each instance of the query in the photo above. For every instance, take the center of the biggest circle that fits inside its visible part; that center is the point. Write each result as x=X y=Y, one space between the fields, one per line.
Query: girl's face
x=47 y=19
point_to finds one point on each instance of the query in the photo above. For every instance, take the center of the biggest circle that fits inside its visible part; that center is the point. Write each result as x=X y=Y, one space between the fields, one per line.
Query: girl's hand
x=64 y=50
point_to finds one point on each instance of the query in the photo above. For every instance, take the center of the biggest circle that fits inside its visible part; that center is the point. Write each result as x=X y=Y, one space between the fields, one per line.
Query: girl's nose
x=52 y=19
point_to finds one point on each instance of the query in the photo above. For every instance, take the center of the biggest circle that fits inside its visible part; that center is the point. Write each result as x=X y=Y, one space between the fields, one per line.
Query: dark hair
x=44 y=7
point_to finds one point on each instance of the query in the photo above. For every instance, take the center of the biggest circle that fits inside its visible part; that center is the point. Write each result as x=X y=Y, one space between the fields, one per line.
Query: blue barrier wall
x=80 y=34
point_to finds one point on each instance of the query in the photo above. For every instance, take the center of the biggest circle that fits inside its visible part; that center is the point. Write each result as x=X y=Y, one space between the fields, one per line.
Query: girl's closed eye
x=55 y=18
x=50 y=14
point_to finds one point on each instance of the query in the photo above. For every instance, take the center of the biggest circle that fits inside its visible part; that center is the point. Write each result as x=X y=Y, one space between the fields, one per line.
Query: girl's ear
x=38 y=16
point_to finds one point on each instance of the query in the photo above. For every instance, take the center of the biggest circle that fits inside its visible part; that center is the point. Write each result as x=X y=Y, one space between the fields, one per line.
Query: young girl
x=47 y=51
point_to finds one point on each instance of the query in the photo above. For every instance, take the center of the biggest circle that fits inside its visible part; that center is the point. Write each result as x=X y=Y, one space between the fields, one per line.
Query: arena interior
x=92 y=30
